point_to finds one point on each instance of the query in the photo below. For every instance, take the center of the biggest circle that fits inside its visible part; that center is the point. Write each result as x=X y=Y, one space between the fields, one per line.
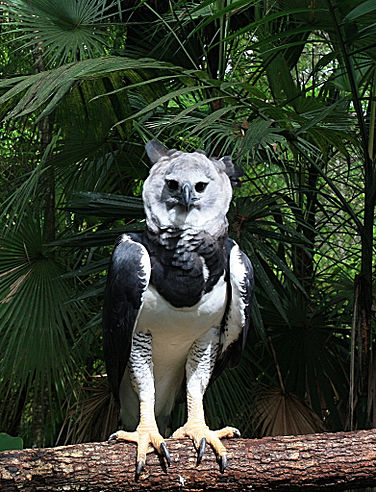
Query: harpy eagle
x=177 y=302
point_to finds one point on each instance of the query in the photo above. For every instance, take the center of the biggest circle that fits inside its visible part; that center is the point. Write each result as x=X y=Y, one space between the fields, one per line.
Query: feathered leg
x=199 y=368
x=146 y=435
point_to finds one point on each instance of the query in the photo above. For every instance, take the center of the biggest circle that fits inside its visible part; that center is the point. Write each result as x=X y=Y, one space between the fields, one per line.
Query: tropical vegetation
x=287 y=88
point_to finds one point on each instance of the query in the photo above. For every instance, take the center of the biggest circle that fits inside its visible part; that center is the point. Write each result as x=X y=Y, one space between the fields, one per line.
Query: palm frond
x=91 y=414
x=107 y=205
x=60 y=32
x=38 y=327
x=278 y=413
x=47 y=89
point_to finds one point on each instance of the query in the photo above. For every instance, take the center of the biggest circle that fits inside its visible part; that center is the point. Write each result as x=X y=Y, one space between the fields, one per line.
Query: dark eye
x=200 y=186
x=172 y=184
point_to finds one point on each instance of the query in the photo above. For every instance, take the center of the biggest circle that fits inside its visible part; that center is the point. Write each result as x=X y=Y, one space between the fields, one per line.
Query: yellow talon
x=201 y=434
x=196 y=429
x=147 y=438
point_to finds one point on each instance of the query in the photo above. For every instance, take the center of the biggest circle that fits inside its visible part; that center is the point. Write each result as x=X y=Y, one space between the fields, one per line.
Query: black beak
x=186 y=195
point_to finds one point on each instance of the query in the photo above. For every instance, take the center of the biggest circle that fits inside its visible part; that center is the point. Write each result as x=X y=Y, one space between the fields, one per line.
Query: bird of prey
x=177 y=302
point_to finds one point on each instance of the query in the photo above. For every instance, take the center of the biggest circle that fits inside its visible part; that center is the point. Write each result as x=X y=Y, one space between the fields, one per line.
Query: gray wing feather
x=236 y=321
x=127 y=280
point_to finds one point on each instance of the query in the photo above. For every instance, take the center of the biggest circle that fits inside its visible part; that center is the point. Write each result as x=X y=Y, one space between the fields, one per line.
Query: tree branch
x=340 y=460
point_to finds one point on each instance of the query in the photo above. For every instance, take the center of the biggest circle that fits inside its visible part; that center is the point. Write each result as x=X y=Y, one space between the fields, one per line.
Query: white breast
x=162 y=319
x=173 y=331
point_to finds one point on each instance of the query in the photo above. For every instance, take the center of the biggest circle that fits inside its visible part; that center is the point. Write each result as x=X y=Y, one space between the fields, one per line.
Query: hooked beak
x=186 y=195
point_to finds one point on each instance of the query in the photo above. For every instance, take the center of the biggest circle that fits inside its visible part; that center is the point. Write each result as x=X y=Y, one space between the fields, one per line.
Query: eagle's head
x=187 y=190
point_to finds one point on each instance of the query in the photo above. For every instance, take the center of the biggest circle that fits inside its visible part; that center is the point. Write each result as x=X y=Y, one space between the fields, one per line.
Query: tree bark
x=339 y=461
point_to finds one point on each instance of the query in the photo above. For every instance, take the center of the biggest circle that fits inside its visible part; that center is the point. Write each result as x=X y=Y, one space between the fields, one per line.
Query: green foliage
x=8 y=442
x=39 y=321
x=61 y=32
x=287 y=91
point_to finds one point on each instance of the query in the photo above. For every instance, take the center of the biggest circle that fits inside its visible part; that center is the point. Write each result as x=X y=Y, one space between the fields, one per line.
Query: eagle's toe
x=202 y=435
x=121 y=435
x=228 y=432
x=147 y=440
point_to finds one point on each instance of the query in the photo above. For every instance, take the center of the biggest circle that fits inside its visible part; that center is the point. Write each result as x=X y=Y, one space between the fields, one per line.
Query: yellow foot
x=201 y=434
x=147 y=440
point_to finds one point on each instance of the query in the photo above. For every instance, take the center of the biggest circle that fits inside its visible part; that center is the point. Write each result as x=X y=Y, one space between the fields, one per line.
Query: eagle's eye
x=200 y=186
x=172 y=185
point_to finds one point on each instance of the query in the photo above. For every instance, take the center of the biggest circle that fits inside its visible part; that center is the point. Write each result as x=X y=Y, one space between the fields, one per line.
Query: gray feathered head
x=188 y=190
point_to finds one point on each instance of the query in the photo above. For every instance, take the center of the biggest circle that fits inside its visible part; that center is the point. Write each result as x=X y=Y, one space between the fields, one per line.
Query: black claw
x=237 y=433
x=140 y=466
x=165 y=452
x=201 y=450
x=222 y=463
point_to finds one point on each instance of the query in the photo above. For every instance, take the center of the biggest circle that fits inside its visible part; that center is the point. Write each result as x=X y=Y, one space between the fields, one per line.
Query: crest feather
x=232 y=171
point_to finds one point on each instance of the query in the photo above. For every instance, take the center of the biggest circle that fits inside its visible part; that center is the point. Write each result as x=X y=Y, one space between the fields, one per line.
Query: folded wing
x=127 y=281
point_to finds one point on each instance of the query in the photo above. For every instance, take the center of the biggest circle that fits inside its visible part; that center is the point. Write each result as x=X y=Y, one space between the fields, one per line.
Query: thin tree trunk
x=304 y=261
x=45 y=130
x=45 y=135
x=364 y=281
x=317 y=461
x=40 y=403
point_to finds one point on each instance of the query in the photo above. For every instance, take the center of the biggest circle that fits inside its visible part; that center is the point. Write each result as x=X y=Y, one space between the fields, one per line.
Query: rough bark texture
x=341 y=460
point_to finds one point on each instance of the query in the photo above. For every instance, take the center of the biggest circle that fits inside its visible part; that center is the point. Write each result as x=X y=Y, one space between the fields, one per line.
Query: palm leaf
x=277 y=413
x=47 y=89
x=91 y=414
x=61 y=32
x=107 y=205
x=37 y=325
x=98 y=238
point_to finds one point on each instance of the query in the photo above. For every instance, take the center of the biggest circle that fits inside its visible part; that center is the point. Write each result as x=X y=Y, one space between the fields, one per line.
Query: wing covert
x=127 y=280
x=237 y=319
